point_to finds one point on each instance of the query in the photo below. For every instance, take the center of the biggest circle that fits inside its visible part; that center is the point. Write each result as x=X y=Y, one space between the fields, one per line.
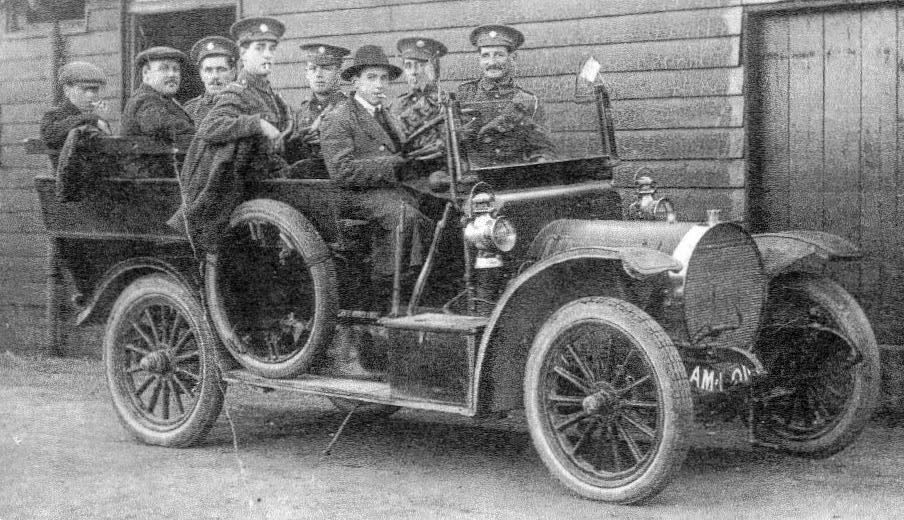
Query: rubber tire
x=364 y=410
x=311 y=246
x=850 y=318
x=210 y=398
x=675 y=396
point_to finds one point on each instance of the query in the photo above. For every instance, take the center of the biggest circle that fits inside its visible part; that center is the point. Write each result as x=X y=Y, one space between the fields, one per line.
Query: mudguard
x=781 y=249
x=636 y=262
x=120 y=275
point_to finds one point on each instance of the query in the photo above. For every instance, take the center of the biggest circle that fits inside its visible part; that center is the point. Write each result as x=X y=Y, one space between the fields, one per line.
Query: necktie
x=383 y=121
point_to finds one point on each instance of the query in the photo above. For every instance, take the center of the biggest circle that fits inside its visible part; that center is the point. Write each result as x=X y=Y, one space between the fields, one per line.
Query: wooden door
x=825 y=143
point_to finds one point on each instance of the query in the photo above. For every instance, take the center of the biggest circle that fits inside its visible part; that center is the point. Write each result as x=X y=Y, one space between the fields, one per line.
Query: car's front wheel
x=607 y=400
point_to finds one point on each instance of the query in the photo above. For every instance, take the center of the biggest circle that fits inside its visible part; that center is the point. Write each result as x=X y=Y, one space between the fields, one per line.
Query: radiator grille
x=725 y=288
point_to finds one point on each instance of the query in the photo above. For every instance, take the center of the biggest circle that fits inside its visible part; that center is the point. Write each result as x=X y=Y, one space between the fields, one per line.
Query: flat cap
x=81 y=72
x=213 y=46
x=324 y=54
x=497 y=35
x=424 y=49
x=160 y=53
x=370 y=56
x=257 y=28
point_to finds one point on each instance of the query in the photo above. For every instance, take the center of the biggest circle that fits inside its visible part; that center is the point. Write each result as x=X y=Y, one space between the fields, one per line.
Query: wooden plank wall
x=25 y=93
x=672 y=66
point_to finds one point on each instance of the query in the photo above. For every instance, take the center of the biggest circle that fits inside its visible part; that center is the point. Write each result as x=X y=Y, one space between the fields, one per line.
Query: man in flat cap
x=82 y=83
x=322 y=64
x=421 y=104
x=215 y=57
x=361 y=145
x=239 y=140
x=152 y=111
x=510 y=119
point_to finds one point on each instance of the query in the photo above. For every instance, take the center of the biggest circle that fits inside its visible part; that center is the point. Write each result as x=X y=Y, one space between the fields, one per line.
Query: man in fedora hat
x=421 y=104
x=510 y=119
x=322 y=63
x=239 y=140
x=362 y=149
x=215 y=58
x=82 y=83
x=152 y=111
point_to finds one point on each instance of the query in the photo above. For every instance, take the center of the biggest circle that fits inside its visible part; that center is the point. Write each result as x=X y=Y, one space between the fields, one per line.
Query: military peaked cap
x=213 y=46
x=370 y=56
x=81 y=72
x=257 y=28
x=493 y=35
x=324 y=54
x=159 y=53
x=424 y=49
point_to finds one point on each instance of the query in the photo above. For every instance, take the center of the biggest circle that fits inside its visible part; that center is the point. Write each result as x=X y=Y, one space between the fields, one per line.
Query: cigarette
x=381 y=95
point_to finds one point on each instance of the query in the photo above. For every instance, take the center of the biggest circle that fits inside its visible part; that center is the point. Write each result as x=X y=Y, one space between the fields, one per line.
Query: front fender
x=781 y=249
x=537 y=292
x=122 y=274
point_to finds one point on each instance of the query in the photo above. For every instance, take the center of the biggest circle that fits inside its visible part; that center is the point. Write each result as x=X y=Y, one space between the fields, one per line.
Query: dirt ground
x=63 y=454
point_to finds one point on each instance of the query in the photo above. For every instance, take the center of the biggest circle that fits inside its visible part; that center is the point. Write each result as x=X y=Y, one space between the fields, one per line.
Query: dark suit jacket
x=357 y=151
x=57 y=123
x=151 y=114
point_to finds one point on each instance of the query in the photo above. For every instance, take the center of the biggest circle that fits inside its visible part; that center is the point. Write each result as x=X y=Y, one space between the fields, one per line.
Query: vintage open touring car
x=612 y=325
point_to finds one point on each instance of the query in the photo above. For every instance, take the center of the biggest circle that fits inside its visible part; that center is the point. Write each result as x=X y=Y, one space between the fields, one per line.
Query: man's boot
x=343 y=357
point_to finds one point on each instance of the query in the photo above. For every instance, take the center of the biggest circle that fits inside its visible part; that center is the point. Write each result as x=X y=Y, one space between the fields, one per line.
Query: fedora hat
x=370 y=56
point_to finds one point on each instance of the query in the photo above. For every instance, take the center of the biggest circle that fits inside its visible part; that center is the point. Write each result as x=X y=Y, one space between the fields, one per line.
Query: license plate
x=719 y=377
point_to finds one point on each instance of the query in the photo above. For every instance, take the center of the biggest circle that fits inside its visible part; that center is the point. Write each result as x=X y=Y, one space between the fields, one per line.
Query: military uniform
x=509 y=119
x=230 y=152
x=198 y=107
x=420 y=105
x=305 y=116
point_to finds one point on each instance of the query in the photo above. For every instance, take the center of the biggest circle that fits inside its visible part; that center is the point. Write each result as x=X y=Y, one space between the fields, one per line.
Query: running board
x=357 y=389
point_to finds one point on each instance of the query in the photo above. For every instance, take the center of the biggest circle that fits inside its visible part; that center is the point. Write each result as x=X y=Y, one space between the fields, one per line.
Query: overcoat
x=228 y=155
x=198 y=107
x=152 y=114
x=57 y=123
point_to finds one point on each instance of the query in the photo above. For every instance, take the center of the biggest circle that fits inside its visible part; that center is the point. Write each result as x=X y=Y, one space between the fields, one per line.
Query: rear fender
x=536 y=293
x=122 y=274
x=782 y=249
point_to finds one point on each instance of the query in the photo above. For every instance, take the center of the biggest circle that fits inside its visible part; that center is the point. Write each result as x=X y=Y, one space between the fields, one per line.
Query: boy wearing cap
x=82 y=106
x=362 y=149
x=511 y=119
x=152 y=111
x=215 y=57
x=322 y=64
x=420 y=60
x=238 y=140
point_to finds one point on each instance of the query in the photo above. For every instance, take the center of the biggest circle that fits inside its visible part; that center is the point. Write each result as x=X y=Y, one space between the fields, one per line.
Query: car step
x=437 y=322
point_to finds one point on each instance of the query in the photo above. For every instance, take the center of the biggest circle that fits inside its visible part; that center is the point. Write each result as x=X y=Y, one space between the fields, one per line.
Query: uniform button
x=382 y=148
x=498 y=151
x=496 y=96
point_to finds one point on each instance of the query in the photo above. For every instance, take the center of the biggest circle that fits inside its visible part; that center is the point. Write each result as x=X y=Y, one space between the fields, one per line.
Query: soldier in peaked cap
x=510 y=119
x=81 y=106
x=421 y=104
x=152 y=111
x=322 y=65
x=215 y=57
x=238 y=142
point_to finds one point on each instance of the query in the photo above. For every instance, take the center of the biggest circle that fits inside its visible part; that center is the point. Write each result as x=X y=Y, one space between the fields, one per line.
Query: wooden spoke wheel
x=607 y=400
x=161 y=363
x=822 y=368
x=272 y=289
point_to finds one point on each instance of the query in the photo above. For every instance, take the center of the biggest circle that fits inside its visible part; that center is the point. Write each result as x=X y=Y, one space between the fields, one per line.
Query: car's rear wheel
x=822 y=366
x=272 y=289
x=607 y=400
x=161 y=363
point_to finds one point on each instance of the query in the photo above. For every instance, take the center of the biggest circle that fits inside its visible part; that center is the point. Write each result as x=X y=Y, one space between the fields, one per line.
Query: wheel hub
x=157 y=361
x=600 y=402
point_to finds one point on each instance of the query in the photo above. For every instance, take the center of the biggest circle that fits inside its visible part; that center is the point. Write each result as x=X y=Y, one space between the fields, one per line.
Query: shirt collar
x=364 y=103
x=254 y=80
x=489 y=84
